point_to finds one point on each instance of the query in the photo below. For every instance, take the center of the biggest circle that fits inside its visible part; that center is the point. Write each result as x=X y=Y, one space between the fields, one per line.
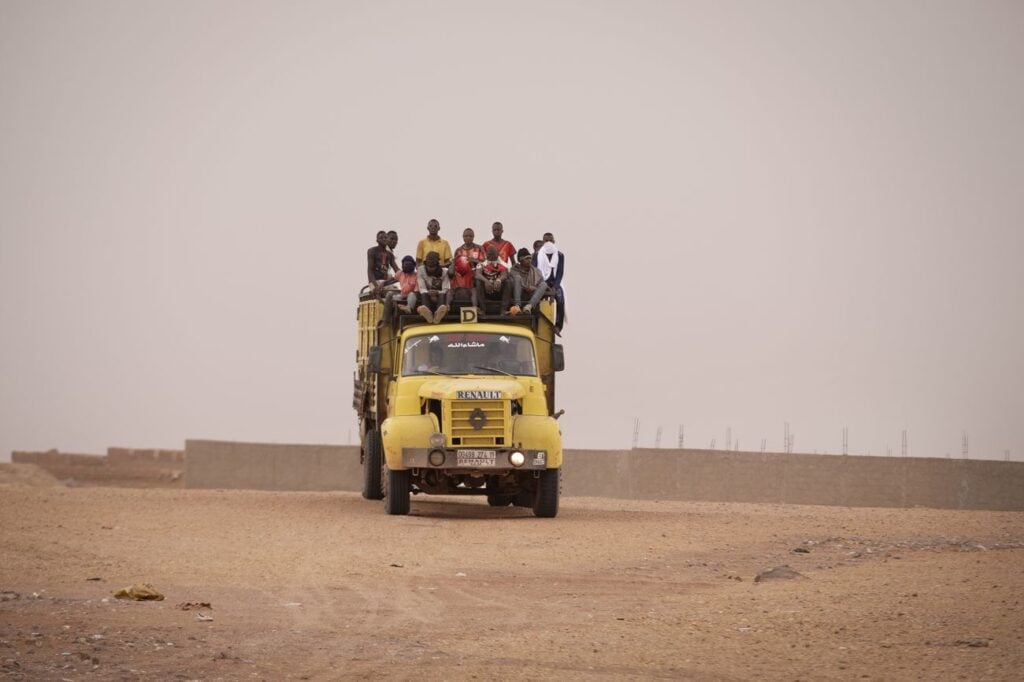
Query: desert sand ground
x=325 y=586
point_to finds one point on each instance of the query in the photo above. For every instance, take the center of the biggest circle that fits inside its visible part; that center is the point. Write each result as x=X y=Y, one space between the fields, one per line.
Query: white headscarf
x=548 y=257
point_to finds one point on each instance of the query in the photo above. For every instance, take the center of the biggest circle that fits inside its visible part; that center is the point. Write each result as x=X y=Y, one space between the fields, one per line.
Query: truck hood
x=472 y=389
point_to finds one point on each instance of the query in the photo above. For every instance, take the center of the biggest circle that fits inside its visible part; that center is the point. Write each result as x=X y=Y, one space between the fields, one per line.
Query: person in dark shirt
x=551 y=263
x=492 y=282
x=379 y=262
x=434 y=289
x=526 y=281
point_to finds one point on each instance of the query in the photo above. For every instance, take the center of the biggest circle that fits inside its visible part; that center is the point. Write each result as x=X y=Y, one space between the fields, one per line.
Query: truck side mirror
x=373 y=360
x=557 y=357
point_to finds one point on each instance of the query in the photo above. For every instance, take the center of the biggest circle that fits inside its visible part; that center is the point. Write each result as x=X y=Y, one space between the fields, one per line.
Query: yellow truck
x=465 y=406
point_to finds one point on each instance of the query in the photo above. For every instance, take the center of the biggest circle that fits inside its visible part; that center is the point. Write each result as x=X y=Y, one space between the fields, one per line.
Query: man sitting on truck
x=526 y=280
x=492 y=282
x=473 y=254
x=408 y=281
x=434 y=289
x=463 y=286
x=433 y=242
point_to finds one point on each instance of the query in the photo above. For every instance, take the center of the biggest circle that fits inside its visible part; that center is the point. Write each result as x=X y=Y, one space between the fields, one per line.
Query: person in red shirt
x=473 y=254
x=492 y=282
x=463 y=285
x=506 y=252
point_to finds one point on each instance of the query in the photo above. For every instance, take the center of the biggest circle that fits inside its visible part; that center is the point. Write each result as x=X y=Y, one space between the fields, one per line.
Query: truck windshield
x=468 y=353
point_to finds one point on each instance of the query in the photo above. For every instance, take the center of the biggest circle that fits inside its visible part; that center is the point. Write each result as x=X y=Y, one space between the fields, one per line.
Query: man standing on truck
x=379 y=262
x=469 y=250
x=536 y=251
x=505 y=249
x=551 y=262
x=433 y=243
x=392 y=243
x=526 y=281
x=435 y=289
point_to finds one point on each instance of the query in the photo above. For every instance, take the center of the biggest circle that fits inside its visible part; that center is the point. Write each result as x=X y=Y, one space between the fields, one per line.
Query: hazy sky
x=771 y=211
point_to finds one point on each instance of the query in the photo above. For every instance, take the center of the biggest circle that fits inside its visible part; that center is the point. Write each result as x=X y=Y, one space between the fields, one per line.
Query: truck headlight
x=517 y=458
x=437 y=440
x=436 y=457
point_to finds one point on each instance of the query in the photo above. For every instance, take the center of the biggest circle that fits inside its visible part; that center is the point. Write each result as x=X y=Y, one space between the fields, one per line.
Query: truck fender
x=406 y=432
x=533 y=432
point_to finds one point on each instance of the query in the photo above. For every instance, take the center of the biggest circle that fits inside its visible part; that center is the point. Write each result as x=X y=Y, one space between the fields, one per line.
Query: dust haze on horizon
x=802 y=212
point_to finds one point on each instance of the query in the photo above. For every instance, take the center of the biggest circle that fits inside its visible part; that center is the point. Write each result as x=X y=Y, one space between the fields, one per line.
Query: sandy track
x=324 y=585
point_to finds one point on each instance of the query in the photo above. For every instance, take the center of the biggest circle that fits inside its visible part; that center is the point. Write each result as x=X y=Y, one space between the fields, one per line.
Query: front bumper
x=474 y=459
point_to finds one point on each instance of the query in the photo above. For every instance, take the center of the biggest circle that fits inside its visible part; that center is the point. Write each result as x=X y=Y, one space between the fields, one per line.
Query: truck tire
x=496 y=500
x=545 y=504
x=372 y=465
x=396 y=495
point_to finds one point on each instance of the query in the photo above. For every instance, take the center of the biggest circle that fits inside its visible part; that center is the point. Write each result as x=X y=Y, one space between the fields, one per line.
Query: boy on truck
x=434 y=289
x=492 y=282
x=526 y=281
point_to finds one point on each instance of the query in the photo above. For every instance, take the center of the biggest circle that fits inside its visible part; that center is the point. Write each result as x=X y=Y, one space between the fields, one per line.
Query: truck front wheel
x=396 y=497
x=545 y=504
x=372 y=465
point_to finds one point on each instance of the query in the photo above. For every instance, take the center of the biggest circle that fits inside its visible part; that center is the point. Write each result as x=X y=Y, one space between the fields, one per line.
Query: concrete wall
x=264 y=466
x=130 y=467
x=835 y=480
x=139 y=456
x=710 y=475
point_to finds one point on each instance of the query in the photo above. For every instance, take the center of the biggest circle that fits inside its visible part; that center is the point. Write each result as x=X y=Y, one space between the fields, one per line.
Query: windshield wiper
x=494 y=369
x=434 y=372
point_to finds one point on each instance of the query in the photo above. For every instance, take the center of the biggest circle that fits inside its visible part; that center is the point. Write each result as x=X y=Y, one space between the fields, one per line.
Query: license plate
x=474 y=458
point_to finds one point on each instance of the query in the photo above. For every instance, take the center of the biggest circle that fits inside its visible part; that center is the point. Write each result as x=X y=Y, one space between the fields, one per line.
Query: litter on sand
x=139 y=592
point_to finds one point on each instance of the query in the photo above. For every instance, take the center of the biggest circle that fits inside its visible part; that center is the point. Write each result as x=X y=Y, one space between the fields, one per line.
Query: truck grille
x=461 y=424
